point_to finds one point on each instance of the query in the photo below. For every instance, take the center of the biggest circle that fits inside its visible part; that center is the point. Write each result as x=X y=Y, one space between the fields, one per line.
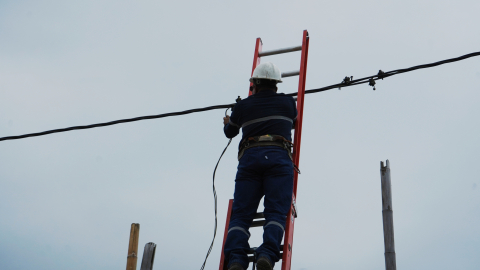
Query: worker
x=265 y=168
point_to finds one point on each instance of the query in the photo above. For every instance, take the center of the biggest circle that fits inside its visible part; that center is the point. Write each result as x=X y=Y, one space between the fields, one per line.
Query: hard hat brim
x=252 y=78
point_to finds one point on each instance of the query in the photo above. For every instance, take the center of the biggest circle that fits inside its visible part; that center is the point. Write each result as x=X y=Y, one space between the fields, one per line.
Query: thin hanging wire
x=215 y=199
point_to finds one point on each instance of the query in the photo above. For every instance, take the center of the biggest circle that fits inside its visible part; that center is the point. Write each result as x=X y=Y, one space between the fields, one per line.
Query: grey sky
x=67 y=200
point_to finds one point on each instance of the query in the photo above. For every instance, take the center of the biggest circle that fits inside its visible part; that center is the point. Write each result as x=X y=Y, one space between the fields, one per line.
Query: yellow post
x=133 y=247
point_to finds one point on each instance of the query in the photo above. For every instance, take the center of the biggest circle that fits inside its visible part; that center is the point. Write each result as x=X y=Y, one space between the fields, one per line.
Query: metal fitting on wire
x=381 y=74
x=371 y=82
x=346 y=81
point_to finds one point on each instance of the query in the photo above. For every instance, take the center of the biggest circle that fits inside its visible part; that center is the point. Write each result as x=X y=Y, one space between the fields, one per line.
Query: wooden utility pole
x=133 y=247
x=390 y=260
x=148 y=256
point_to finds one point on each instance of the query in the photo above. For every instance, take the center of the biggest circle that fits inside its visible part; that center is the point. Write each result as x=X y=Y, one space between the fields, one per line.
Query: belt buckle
x=265 y=138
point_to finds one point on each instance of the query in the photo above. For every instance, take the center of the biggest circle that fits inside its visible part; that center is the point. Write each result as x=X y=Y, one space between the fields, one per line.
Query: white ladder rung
x=290 y=73
x=279 y=51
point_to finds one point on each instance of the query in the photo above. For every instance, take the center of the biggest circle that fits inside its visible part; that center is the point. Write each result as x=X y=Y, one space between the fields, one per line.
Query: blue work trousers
x=262 y=171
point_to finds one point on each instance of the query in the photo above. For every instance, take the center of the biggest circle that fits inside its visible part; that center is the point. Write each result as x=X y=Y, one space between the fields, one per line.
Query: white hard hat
x=267 y=71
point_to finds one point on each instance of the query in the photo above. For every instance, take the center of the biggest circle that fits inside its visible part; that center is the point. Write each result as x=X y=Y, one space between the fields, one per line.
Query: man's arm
x=230 y=129
x=231 y=126
x=294 y=105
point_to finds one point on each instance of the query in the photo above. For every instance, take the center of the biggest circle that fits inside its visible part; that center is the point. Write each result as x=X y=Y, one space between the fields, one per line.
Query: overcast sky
x=67 y=200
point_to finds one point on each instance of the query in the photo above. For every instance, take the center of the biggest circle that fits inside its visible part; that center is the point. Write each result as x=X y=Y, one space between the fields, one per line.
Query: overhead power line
x=348 y=81
x=381 y=75
x=118 y=122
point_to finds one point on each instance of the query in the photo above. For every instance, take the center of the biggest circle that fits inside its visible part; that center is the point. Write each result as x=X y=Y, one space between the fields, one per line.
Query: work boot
x=236 y=266
x=264 y=263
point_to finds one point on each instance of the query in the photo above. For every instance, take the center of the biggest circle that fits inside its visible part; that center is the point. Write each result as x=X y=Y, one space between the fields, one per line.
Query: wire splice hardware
x=292 y=214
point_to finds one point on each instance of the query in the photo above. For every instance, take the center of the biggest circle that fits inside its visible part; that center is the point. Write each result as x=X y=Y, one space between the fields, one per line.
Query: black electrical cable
x=369 y=79
x=118 y=122
x=382 y=75
x=215 y=199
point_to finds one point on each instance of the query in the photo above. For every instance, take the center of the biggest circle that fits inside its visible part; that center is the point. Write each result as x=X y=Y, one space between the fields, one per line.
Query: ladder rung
x=257 y=223
x=250 y=258
x=279 y=51
x=259 y=215
x=291 y=73
x=251 y=250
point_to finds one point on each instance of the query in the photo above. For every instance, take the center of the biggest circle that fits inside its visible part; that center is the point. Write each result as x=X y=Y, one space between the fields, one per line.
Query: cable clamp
x=381 y=74
x=371 y=82
x=346 y=81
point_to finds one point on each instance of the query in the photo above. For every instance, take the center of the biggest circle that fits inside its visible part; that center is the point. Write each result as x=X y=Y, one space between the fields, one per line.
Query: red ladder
x=292 y=214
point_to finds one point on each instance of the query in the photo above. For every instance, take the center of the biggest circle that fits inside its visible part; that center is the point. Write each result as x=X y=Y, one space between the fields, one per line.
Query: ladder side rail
x=256 y=59
x=223 y=265
x=288 y=238
x=300 y=101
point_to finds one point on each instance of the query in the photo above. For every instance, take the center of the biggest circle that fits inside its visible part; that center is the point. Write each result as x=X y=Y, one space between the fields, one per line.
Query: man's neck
x=267 y=90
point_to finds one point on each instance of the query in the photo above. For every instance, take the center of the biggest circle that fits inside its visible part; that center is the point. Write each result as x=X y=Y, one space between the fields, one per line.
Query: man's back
x=264 y=113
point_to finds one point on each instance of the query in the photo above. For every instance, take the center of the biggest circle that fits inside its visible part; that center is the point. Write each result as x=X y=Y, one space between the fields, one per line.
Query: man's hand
x=226 y=119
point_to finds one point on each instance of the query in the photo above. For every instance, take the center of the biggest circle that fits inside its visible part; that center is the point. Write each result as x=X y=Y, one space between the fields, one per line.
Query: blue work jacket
x=264 y=113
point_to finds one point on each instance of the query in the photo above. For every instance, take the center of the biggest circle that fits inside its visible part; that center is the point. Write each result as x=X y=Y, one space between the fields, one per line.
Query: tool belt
x=265 y=140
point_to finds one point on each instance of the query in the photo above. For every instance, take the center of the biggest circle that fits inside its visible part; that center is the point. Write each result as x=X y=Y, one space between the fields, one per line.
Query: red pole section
x=229 y=214
x=300 y=101
x=256 y=59
x=288 y=240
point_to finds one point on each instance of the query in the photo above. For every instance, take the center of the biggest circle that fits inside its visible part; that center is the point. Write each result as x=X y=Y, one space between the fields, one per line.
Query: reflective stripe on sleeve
x=233 y=124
